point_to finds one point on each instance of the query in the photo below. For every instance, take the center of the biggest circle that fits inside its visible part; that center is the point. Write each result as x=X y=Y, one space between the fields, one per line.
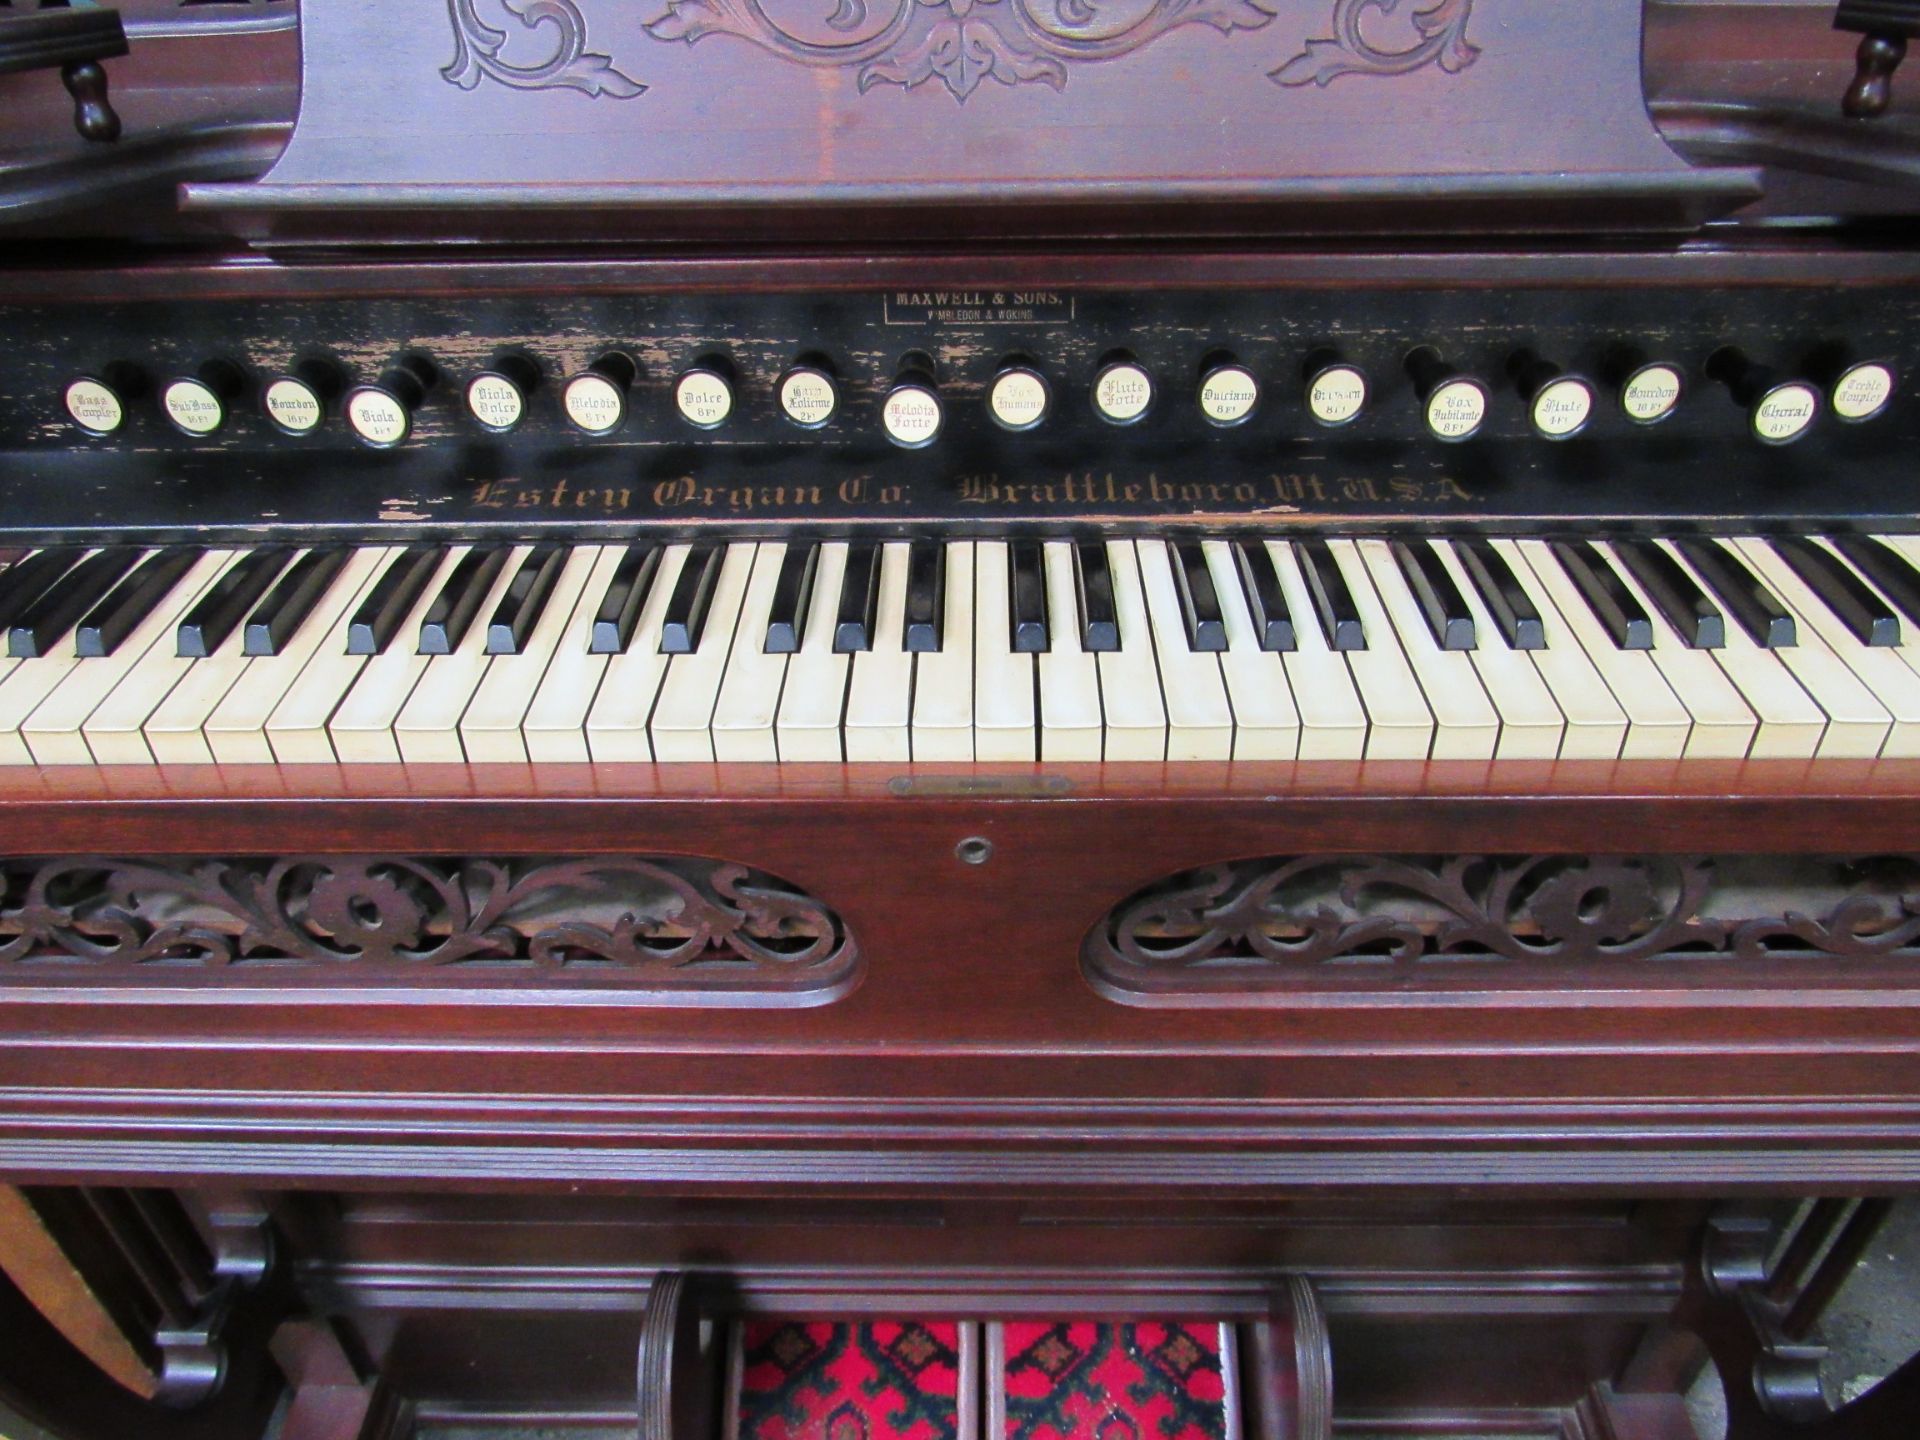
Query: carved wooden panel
x=676 y=931
x=705 y=114
x=959 y=42
x=1264 y=929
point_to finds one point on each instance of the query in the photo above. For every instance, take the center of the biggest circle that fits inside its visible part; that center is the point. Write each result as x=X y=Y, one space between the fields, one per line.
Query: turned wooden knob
x=93 y=113
x=1872 y=89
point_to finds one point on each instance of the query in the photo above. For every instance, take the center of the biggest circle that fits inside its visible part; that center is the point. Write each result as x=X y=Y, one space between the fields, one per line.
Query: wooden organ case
x=1101 y=719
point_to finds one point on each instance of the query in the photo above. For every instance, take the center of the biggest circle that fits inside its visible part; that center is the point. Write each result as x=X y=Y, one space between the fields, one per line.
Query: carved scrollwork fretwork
x=1268 y=923
x=646 y=919
x=479 y=52
x=1440 y=25
x=960 y=43
x=963 y=42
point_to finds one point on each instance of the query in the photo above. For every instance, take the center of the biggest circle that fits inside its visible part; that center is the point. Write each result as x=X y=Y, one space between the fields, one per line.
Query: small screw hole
x=975 y=850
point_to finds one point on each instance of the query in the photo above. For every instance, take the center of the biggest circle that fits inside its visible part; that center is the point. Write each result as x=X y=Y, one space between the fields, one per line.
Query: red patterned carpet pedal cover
x=836 y=1380
x=1112 y=1380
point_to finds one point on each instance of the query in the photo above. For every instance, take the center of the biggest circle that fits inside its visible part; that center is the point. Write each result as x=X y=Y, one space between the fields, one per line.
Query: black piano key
x=378 y=618
x=859 y=609
x=130 y=602
x=1027 y=597
x=1621 y=615
x=1744 y=594
x=63 y=604
x=792 y=598
x=526 y=597
x=1860 y=608
x=24 y=583
x=218 y=613
x=1500 y=590
x=1333 y=602
x=1688 y=608
x=1093 y=584
x=1199 y=602
x=1440 y=601
x=452 y=612
x=1266 y=601
x=926 y=596
x=278 y=617
x=1887 y=568
x=686 y=617
x=619 y=609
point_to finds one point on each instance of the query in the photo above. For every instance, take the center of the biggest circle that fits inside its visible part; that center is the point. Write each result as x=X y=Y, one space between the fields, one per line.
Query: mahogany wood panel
x=974 y=1057
x=1785 y=261
x=623 y=119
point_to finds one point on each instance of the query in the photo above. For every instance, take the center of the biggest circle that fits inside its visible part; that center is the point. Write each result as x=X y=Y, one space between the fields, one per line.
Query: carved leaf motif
x=478 y=52
x=848 y=15
x=961 y=43
x=1261 y=917
x=398 y=913
x=1440 y=25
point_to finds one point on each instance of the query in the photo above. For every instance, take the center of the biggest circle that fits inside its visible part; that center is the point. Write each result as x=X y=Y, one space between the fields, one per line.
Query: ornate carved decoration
x=1264 y=921
x=958 y=42
x=963 y=42
x=640 y=918
x=161 y=1330
x=478 y=49
x=1441 y=26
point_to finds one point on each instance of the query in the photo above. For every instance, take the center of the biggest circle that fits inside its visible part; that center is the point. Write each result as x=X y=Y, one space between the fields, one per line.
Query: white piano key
x=1466 y=726
x=879 y=717
x=1070 y=719
x=8 y=664
x=750 y=690
x=1333 y=722
x=361 y=730
x=297 y=729
x=427 y=729
x=1400 y=725
x=490 y=731
x=1724 y=728
x=808 y=727
x=176 y=730
x=1266 y=724
x=682 y=724
x=1130 y=694
x=26 y=685
x=113 y=732
x=1657 y=723
x=55 y=732
x=237 y=730
x=555 y=727
x=1532 y=726
x=1596 y=725
x=1793 y=724
x=617 y=723
x=1003 y=718
x=1199 y=715
x=943 y=678
x=1891 y=680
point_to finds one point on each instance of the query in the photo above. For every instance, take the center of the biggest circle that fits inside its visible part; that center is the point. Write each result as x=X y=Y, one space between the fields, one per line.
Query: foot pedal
x=852 y=1380
x=1112 y=1380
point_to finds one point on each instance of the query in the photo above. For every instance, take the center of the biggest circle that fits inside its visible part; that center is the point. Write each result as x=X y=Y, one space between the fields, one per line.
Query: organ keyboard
x=965 y=720
x=1043 y=649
